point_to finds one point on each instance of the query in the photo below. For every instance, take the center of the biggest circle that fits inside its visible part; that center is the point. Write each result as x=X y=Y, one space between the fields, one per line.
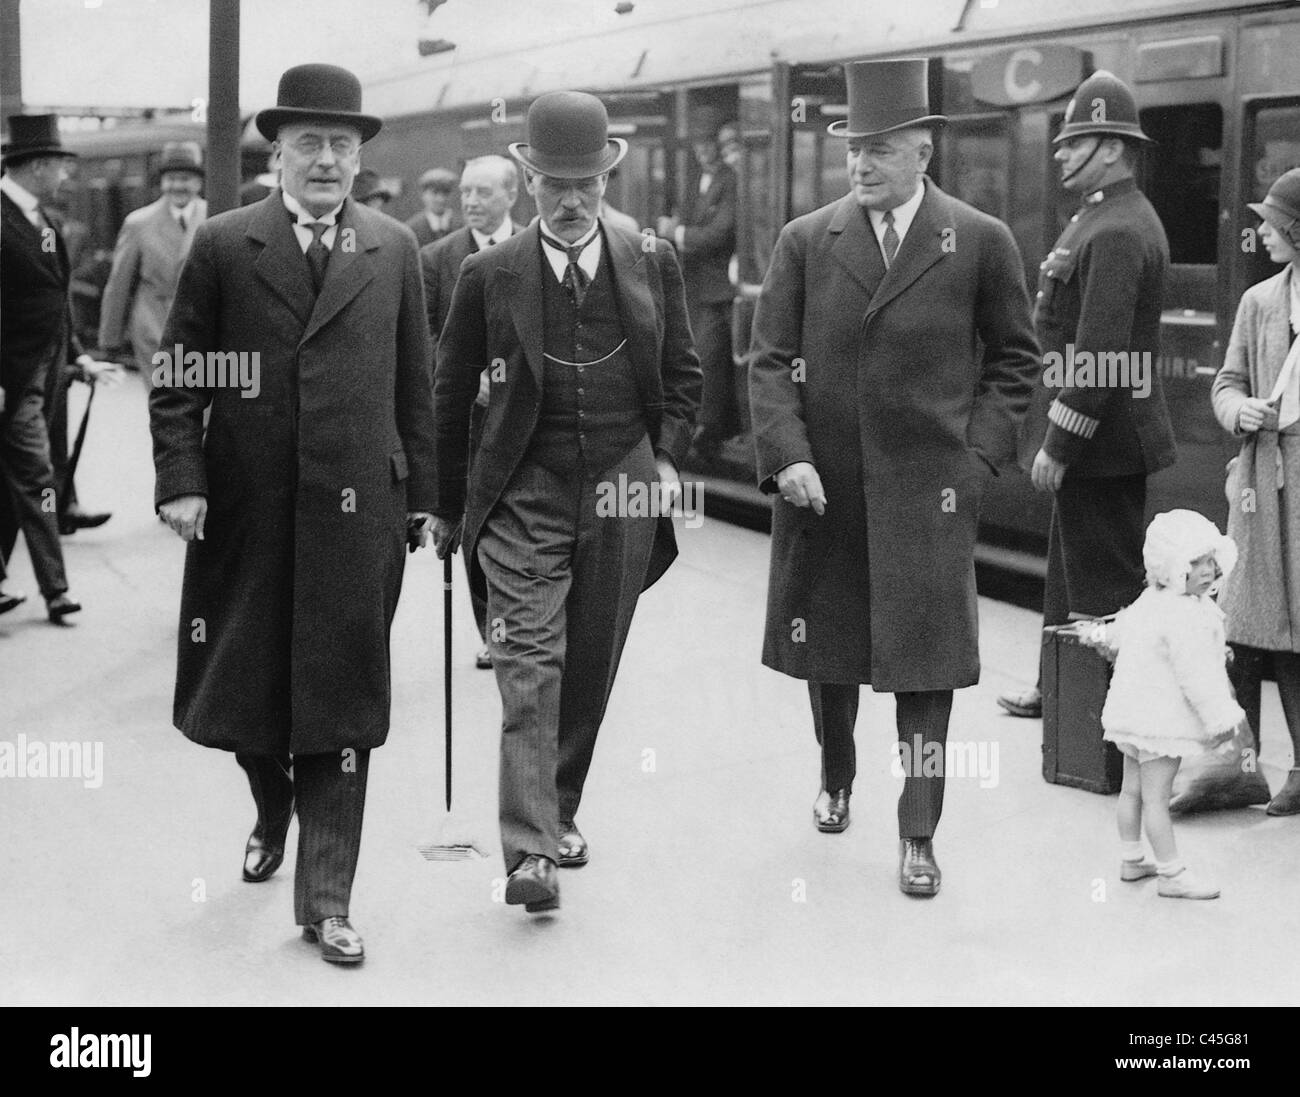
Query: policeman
x=1098 y=322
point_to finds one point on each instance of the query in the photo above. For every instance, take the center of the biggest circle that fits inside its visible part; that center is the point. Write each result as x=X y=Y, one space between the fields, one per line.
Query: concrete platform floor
x=707 y=884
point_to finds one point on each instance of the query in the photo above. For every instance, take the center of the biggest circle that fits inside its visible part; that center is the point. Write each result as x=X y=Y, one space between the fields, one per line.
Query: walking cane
x=75 y=459
x=446 y=665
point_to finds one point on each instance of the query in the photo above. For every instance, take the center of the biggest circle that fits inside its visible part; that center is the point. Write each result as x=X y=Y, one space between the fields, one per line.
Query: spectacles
x=313 y=146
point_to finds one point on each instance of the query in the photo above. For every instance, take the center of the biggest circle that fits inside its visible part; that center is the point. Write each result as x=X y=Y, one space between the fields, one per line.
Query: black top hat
x=32 y=135
x=181 y=156
x=885 y=96
x=1102 y=105
x=568 y=137
x=309 y=92
x=1281 y=206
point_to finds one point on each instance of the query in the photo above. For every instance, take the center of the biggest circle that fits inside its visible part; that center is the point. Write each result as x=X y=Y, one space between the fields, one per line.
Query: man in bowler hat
x=891 y=362
x=1103 y=433
x=39 y=356
x=296 y=504
x=593 y=385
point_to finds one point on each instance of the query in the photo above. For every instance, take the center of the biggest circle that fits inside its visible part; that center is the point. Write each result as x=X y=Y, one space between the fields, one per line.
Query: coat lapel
x=922 y=247
x=636 y=307
x=349 y=270
x=855 y=247
x=525 y=280
x=281 y=265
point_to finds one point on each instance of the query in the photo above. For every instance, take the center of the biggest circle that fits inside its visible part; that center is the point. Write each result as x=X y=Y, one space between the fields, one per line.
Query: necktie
x=575 y=278
x=890 y=242
x=318 y=254
x=180 y=220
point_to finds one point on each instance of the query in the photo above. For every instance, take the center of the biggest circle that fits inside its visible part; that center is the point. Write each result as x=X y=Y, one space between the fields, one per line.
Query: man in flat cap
x=592 y=395
x=1103 y=430
x=891 y=362
x=296 y=501
x=438 y=217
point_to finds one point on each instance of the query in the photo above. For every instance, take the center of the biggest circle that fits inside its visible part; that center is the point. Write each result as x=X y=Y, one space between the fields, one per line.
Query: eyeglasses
x=313 y=146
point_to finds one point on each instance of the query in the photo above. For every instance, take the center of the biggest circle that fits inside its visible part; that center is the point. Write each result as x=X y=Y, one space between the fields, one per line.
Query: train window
x=977 y=162
x=805 y=152
x=1271 y=147
x=1180 y=175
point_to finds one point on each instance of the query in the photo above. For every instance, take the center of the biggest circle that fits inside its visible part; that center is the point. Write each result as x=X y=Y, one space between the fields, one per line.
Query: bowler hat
x=181 y=156
x=1104 y=106
x=568 y=137
x=32 y=135
x=317 y=92
x=1281 y=206
x=885 y=96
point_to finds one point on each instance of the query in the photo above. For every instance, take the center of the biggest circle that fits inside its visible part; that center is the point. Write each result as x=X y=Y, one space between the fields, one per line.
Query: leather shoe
x=831 y=811
x=573 y=846
x=534 y=883
x=483 y=660
x=75 y=518
x=339 y=942
x=60 y=606
x=1027 y=703
x=10 y=601
x=918 y=874
x=1287 y=800
x=264 y=852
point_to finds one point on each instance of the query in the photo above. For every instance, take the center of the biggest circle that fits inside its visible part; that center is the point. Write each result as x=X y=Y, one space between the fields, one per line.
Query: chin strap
x=1096 y=146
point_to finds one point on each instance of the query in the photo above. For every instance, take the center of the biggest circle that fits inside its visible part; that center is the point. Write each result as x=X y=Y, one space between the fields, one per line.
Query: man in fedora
x=593 y=385
x=705 y=237
x=1099 y=295
x=489 y=186
x=438 y=217
x=892 y=360
x=39 y=354
x=151 y=248
x=296 y=503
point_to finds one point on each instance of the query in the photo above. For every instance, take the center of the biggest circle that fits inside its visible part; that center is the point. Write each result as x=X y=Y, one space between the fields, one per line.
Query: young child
x=1169 y=698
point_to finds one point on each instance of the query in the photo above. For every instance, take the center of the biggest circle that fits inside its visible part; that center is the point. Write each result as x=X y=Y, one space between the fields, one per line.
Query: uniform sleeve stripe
x=1074 y=421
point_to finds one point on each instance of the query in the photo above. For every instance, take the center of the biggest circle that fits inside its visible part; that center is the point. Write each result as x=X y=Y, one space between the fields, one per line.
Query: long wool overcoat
x=1261 y=595
x=904 y=388
x=287 y=602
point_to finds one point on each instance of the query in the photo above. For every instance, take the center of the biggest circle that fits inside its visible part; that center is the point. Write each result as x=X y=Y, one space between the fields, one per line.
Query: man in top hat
x=1103 y=430
x=295 y=502
x=151 y=248
x=438 y=195
x=593 y=389
x=892 y=360
x=705 y=238
x=39 y=354
x=489 y=186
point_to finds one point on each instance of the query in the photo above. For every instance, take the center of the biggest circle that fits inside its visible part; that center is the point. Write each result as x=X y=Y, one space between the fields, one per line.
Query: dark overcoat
x=287 y=602
x=496 y=319
x=905 y=390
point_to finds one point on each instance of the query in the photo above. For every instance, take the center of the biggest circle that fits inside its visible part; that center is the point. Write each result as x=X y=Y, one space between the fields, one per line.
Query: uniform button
x=1040 y=293
x=579 y=392
x=580 y=369
x=1075 y=217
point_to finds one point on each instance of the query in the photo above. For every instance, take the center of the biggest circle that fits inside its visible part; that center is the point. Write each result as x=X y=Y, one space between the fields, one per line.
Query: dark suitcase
x=1075 y=681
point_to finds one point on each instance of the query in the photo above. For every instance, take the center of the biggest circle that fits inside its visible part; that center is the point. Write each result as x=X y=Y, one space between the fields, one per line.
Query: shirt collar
x=303 y=217
x=503 y=232
x=24 y=199
x=546 y=231
x=1114 y=190
x=904 y=214
x=588 y=261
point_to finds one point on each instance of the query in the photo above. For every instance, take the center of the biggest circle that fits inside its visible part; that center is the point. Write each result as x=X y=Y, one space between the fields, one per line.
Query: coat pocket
x=397 y=461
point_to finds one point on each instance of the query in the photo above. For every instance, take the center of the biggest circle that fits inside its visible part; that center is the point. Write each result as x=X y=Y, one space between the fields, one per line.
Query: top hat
x=1102 y=105
x=366 y=184
x=317 y=92
x=885 y=96
x=32 y=135
x=1281 y=206
x=568 y=137
x=181 y=156
x=439 y=179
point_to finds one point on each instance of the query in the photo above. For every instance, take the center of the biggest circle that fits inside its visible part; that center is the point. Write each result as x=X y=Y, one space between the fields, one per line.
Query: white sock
x=1170 y=868
x=1132 y=851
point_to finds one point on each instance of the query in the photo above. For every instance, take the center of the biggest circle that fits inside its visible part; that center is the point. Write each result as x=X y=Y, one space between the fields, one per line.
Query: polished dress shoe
x=1287 y=800
x=831 y=811
x=534 y=883
x=339 y=942
x=60 y=606
x=10 y=601
x=264 y=852
x=483 y=660
x=918 y=873
x=74 y=518
x=1027 y=703
x=573 y=846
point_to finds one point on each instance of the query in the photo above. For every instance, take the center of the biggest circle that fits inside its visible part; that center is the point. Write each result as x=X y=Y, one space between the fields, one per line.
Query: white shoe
x=1136 y=870
x=1185 y=885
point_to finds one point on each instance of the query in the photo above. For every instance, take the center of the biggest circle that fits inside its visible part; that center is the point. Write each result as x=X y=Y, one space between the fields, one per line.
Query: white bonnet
x=1176 y=538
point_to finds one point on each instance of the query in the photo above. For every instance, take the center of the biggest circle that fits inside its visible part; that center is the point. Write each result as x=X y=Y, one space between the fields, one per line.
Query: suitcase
x=1075 y=681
